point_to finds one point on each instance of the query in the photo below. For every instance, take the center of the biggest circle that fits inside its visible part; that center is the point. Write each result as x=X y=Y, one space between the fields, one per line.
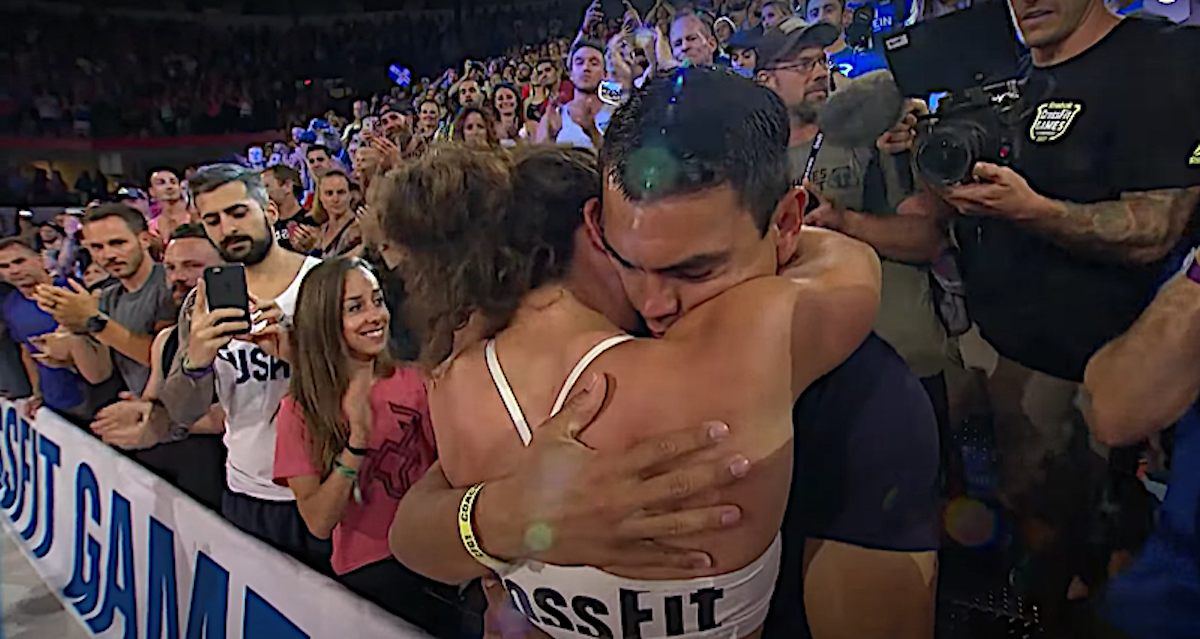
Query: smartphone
x=226 y=287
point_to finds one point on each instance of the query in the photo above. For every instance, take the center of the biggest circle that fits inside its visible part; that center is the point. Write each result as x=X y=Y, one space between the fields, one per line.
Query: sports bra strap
x=506 y=393
x=587 y=360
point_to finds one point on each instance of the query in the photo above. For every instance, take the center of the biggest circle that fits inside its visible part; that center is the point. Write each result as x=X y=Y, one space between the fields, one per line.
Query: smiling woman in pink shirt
x=354 y=434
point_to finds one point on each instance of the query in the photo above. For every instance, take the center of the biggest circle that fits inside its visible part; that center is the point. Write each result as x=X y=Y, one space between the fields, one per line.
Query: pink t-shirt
x=402 y=449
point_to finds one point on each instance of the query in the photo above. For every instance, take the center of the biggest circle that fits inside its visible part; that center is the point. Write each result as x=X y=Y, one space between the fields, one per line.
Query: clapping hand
x=71 y=307
x=126 y=424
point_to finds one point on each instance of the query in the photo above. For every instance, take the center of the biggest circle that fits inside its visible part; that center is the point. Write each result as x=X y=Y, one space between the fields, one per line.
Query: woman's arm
x=322 y=504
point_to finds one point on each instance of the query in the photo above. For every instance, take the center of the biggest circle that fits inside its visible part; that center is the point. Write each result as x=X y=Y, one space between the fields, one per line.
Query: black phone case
x=226 y=288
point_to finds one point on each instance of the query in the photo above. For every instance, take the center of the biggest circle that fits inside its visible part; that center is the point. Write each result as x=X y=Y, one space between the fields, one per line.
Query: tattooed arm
x=1139 y=228
x=1143 y=381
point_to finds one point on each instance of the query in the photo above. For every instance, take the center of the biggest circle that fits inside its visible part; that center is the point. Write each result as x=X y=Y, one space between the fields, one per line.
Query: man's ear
x=592 y=222
x=847 y=17
x=272 y=212
x=765 y=79
x=786 y=223
x=147 y=240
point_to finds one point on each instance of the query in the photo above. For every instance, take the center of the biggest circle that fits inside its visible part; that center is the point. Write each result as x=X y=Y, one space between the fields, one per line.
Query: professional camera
x=978 y=125
x=972 y=58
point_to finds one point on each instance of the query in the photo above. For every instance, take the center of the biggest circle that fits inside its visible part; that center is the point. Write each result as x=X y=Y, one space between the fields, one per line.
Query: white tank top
x=573 y=134
x=250 y=385
x=584 y=602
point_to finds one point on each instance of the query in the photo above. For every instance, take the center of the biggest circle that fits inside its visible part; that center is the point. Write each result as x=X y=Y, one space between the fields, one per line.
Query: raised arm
x=599 y=522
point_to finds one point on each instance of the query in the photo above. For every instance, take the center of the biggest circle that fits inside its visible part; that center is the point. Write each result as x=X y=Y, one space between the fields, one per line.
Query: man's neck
x=540 y=94
x=802 y=132
x=174 y=207
x=1097 y=22
x=271 y=277
x=136 y=281
x=289 y=208
x=586 y=100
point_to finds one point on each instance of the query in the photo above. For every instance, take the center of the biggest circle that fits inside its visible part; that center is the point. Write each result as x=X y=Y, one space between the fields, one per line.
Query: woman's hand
x=356 y=404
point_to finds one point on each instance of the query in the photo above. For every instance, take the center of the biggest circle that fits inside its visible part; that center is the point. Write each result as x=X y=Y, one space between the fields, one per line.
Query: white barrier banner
x=131 y=556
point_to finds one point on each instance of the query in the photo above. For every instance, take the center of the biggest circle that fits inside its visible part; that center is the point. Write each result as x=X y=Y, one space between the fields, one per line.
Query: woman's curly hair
x=478 y=230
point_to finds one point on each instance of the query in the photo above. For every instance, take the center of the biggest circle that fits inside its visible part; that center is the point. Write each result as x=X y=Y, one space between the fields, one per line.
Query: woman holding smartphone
x=354 y=433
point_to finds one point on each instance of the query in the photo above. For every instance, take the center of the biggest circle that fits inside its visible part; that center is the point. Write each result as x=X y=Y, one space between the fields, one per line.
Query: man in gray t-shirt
x=143 y=311
x=120 y=324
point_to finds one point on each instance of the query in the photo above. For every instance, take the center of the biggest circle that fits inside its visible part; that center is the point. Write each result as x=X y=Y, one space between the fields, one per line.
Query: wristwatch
x=96 y=323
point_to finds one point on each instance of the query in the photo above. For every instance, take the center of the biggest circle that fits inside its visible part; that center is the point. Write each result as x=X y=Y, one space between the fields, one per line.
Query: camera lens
x=948 y=153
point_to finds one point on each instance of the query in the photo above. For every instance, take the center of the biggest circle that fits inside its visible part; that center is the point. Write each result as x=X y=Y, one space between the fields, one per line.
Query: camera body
x=975 y=59
x=976 y=125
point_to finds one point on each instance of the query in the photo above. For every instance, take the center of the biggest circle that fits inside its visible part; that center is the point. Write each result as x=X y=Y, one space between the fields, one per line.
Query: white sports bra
x=586 y=602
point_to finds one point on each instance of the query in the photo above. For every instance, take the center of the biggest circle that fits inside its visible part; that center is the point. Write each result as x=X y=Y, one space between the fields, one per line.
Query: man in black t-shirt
x=295 y=230
x=1062 y=250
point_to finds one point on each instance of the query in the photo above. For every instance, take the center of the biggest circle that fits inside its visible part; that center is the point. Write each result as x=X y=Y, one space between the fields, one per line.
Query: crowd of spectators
x=398 y=223
x=100 y=75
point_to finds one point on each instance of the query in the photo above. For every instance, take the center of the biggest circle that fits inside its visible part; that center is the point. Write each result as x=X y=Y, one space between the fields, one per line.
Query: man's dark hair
x=697 y=129
x=160 y=169
x=189 y=231
x=584 y=44
x=542 y=61
x=318 y=147
x=132 y=218
x=214 y=176
x=25 y=240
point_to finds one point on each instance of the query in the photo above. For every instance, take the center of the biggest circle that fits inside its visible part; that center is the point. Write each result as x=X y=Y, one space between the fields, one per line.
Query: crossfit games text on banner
x=131 y=556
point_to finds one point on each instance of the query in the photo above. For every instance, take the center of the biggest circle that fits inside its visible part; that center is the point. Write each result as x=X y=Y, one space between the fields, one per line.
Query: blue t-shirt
x=852 y=64
x=62 y=388
x=866 y=471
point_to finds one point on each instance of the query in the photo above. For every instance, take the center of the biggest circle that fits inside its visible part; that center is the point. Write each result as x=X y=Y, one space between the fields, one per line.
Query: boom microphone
x=861 y=110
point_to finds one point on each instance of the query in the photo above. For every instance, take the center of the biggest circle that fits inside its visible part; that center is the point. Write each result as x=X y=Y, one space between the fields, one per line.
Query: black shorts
x=278 y=523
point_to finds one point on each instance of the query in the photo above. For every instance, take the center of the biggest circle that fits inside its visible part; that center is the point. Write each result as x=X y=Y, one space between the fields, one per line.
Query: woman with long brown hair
x=510 y=121
x=339 y=232
x=517 y=299
x=354 y=432
x=475 y=127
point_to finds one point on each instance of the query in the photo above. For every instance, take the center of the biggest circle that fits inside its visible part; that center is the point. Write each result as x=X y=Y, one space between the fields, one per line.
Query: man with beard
x=167 y=192
x=470 y=94
x=123 y=318
x=190 y=457
x=580 y=122
x=861 y=194
x=246 y=373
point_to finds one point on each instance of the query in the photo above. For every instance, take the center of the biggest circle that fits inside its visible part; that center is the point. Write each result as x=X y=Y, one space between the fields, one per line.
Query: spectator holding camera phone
x=220 y=352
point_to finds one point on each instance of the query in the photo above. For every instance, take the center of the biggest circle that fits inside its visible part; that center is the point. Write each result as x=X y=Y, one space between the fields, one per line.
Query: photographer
x=1061 y=251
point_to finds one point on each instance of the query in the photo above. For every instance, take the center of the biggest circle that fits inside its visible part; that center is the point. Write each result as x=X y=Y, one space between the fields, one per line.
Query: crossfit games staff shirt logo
x=1195 y=159
x=1052 y=121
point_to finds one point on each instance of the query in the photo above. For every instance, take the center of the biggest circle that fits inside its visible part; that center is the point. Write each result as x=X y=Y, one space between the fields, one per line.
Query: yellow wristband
x=466 y=531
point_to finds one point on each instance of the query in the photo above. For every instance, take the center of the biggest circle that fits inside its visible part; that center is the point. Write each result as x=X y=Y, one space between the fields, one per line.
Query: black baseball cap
x=781 y=43
x=745 y=39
